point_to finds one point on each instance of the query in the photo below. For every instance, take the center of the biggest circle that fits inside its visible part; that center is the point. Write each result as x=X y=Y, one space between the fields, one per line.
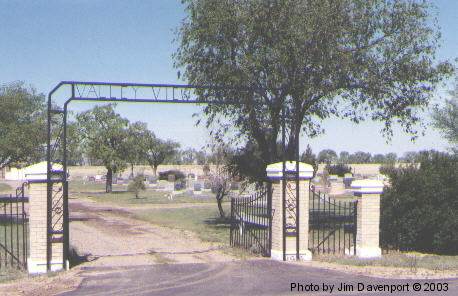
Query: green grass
x=10 y=274
x=146 y=197
x=204 y=222
x=5 y=188
x=412 y=261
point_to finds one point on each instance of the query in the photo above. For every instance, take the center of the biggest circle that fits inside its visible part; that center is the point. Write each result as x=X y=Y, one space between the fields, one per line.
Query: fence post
x=368 y=217
x=275 y=174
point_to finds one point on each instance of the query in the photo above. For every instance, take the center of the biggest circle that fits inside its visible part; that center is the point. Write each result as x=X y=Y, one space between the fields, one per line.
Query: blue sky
x=44 y=42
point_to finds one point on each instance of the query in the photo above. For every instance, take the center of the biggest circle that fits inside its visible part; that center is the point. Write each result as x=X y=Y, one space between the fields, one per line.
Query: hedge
x=419 y=210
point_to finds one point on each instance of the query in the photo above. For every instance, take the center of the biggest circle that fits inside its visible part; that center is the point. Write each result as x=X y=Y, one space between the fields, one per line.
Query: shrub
x=206 y=169
x=179 y=185
x=419 y=211
x=178 y=175
x=338 y=169
x=137 y=184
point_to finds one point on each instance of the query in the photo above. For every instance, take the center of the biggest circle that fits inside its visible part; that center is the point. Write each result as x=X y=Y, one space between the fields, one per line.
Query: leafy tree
x=247 y=161
x=309 y=157
x=136 y=143
x=206 y=169
x=360 y=157
x=446 y=119
x=104 y=136
x=176 y=158
x=339 y=169
x=22 y=125
x=315 y=59
x=201 y=157
x=157 y=150
x=137 y=185
x=189 y=156
x=75 y=152
x=419 y=210
x=220 y=154
x=193 y=156
x=344 y=156
x=327 y=156
x=391 y=158
x=221 y=184
x=410 y=156
x=378 y=158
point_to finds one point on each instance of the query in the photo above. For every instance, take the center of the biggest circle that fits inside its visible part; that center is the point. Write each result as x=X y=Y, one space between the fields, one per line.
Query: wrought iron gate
x=332 y=227
x=14 y=230
x=57 y=180
x=251 y=221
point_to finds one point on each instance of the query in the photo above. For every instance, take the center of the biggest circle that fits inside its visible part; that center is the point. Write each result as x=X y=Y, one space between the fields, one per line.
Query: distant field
x=5 y=188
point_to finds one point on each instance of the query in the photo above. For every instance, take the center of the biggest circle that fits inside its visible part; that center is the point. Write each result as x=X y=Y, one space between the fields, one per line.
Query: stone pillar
x=36 y=262
x=368 y=218
x=275 y=174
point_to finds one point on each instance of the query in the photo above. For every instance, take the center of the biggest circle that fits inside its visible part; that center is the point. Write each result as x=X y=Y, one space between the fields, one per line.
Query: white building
x=20 y=174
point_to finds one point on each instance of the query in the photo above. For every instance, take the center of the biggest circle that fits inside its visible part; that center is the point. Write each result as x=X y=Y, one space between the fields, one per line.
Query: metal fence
x=332 y=227
x=14 y=230
x=251 y=221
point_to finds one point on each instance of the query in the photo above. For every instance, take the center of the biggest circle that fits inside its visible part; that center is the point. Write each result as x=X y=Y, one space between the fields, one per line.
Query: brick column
x=275 y=174
x=36 y=263
x=368 y=218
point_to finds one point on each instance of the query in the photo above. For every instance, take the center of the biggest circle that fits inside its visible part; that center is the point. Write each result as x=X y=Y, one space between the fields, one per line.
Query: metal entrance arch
x=57 y=180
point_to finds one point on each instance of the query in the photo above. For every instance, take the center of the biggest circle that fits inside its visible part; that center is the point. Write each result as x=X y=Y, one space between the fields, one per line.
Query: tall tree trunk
x=132 y=170
x=109 y=181
x=155 y=170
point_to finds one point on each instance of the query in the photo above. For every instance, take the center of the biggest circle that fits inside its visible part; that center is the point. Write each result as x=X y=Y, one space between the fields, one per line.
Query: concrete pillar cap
x=275 y=170
x=367 y=186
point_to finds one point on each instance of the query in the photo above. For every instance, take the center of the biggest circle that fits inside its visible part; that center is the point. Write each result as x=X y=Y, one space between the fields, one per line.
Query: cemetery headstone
x=333 y=177
x=197 y=186
x=207 y=185
x=171 y=178
x=347 y=180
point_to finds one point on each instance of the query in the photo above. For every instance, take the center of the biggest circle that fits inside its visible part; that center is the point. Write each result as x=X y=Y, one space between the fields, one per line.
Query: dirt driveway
x=109 y=236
